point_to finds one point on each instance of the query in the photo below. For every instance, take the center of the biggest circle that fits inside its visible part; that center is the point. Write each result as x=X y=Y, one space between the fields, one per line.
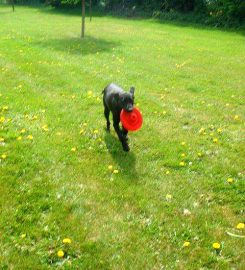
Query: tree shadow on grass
x=125 y=160
x=78 y=46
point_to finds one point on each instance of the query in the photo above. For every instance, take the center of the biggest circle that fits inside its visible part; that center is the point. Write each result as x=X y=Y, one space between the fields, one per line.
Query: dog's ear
x=131 y=91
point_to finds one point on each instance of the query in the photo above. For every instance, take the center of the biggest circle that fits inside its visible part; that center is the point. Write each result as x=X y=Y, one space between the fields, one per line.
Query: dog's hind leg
x=107 y=114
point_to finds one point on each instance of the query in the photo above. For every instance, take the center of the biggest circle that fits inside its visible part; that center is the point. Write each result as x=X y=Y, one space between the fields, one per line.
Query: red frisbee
x=131 y=120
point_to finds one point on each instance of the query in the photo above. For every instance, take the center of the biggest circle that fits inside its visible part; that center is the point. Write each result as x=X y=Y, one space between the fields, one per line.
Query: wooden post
x=83 y=19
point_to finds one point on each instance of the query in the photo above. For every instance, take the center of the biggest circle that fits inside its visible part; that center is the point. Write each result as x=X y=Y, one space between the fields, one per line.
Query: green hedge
x=212 y=12
x=215 y=12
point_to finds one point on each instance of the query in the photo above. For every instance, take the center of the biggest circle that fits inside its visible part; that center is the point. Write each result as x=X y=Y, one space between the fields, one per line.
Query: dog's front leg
x=121 y=136
x=125 y=132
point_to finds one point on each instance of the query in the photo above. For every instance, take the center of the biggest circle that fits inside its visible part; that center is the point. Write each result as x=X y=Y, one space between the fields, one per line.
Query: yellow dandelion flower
x=1 y=139
x=186 y=244
x=183 y=143
x=183 y=155
x=2 y=119
x=96 y=131
x=81 y=131
x=23 y=235
x=74 y=149
x=240 y=226
x=90 y=93
x=19 y=138
x=22 y=131
x=219 y=130
x=66 y=241
x=168 y=197
x=215 y=140
x=34 y=117
x=45 y=128
x=115 y=171
x=236 y=117
x=30 y=137
x=182 y=163
x=201 y=130
x=230 y=180
x=60 y=253
x=167 y=172
x=5 y=108
x=85 y=124
x=3 y=156
x=110 y=167
x=216 y=245
x=199 y=154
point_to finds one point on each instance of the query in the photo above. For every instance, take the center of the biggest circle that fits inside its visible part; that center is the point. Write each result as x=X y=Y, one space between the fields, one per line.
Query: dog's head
x=126 y=100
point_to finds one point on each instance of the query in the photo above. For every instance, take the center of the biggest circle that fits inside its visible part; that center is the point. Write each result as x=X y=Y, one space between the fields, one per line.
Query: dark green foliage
x=68 y=3
x=226 y=11
x=213 y=12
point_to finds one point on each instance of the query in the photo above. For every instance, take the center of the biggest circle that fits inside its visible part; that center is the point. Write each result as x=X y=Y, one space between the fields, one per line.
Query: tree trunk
x=90 y=10
x=83 y=19
x=13 y=5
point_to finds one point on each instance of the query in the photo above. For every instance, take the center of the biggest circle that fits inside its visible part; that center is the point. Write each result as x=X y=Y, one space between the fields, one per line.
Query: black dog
x=115 y=99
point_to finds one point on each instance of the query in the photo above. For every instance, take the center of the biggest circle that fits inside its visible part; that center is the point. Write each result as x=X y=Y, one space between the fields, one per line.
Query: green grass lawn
x=171 y=188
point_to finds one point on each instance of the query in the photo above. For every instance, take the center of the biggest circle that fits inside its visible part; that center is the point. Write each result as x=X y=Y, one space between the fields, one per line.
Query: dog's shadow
x=125 y=160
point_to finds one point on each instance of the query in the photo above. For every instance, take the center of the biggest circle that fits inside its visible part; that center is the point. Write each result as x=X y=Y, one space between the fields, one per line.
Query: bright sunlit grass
x=69 y=196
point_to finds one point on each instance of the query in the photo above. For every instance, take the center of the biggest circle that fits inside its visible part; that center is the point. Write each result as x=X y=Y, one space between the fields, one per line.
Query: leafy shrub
x=213 y=12
x=226 y=12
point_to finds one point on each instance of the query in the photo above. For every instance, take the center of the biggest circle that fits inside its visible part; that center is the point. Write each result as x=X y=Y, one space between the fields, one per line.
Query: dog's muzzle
x=129 y=108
